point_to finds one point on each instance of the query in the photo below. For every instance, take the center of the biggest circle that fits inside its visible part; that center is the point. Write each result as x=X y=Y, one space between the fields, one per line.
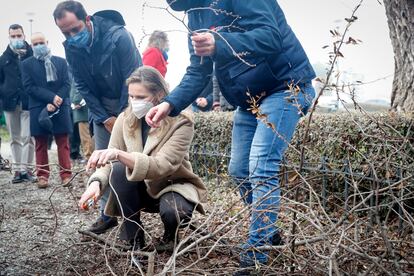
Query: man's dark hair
x=16 y=27
x=74 y=7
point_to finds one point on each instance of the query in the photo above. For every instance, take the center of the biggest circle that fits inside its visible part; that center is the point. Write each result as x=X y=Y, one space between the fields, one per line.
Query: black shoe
x=166 y=244
x=139 y=242
x=277 y=239
x=17 y=178
x=28 y=176
x=247 y=269
x=100 y=226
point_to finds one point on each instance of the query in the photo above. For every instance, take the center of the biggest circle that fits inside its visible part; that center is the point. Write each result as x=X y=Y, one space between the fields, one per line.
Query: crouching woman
x=153 y=172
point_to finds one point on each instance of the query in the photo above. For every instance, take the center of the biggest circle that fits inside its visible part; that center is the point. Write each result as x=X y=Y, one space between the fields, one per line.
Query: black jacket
x=11 y=85
x=42 y=93
x=111 y=60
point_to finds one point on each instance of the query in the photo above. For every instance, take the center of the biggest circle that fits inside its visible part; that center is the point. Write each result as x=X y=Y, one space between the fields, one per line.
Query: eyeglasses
x=54 y=113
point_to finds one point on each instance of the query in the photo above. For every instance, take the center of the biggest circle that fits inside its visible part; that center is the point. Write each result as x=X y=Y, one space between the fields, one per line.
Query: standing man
x=15 y=104
x=102 y=54
x=46 y=80
x=254 y=51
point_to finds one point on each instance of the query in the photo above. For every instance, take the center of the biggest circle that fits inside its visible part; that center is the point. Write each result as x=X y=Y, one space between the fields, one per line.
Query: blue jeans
x=101 y=136
x=256 y=156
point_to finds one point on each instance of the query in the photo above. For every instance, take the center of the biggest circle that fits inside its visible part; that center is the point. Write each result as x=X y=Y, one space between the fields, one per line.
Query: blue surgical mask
x=81 y=39
x=40 y=50
x=17 y=43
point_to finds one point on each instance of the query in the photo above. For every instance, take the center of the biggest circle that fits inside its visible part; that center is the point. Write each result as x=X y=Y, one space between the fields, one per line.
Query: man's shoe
x=28 y=176
x=42 y=183
x=17 y=178
x=66 y=181
x=277 y=239
x=100 y=226
x=247 y=269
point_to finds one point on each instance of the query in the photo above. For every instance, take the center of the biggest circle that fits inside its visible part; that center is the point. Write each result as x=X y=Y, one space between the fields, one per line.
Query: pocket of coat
x=254 y=80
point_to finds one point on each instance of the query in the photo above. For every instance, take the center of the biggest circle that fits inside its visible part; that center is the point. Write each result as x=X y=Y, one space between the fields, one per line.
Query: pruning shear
x=88 y=204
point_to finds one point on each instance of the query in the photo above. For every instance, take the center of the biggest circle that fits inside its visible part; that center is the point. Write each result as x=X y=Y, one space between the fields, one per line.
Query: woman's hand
x=92 y=192
x=99 y=158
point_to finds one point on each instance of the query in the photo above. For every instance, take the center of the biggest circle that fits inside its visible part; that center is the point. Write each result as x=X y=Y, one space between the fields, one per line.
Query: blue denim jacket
x=272 y=55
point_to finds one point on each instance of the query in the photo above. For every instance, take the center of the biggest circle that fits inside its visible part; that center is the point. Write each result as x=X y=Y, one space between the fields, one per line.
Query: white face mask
x=140 y=107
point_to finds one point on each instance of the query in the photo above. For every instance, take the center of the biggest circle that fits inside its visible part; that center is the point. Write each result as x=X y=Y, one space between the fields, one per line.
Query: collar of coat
x=133 y=140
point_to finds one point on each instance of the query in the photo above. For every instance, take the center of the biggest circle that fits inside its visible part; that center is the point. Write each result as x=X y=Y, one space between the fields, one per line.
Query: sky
x=311 y=21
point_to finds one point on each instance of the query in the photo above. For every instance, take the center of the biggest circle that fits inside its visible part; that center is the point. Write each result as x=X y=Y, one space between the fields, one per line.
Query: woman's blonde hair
x=153 y=81
x=158 y=39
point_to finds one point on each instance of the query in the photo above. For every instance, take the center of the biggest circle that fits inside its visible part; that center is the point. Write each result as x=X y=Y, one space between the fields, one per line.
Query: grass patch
x=4 y=134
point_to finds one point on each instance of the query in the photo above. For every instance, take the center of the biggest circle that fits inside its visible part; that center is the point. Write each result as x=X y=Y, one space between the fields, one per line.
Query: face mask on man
x=40 y=50
x=17 y=43
x=140 y=107
x=81 y=39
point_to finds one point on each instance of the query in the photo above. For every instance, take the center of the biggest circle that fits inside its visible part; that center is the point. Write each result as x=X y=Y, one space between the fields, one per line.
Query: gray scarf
x=49 y=66
x=20 y=52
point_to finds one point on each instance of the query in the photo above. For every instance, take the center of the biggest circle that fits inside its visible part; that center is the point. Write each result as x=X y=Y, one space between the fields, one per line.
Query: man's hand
x=93 y=191
x=156 y=114
x=57 y=101
x=109 y=124
x=99 y=158
x=216 y=106
x=50 y=108
x=201 y=102
x=204 y=44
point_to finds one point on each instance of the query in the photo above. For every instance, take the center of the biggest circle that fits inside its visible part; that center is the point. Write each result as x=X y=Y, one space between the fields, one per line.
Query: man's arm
x=95 y=107
x=40 y=93
x=262 y=36
x=129 y=60
x=1 y=79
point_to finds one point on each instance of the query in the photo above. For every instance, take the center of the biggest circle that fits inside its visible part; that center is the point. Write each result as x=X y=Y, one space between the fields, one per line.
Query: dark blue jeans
x=256 y=156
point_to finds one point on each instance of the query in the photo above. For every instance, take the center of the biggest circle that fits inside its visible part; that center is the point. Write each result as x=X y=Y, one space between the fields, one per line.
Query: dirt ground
x=39 y=234
x=38 y=229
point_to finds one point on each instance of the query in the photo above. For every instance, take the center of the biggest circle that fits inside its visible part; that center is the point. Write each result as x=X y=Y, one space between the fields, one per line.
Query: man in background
x=15 y=104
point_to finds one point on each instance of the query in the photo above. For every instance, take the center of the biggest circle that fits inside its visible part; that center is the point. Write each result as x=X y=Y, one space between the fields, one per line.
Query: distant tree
x=400 y=14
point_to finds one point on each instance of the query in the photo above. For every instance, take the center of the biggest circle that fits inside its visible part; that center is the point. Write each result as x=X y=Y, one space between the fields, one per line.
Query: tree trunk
x=400 y=14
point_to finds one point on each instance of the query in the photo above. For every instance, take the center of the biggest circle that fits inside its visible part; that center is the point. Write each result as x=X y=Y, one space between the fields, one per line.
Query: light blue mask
x=17 y=43
x=40 y=50
x=81 y=39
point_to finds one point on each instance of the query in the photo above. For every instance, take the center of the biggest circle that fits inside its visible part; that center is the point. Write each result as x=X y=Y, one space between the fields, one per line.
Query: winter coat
x=163 y=163
x=111 y=59
x=11 y=84
x=153 y=57
x=219 y=98
x=42 y=93
x=272 y=55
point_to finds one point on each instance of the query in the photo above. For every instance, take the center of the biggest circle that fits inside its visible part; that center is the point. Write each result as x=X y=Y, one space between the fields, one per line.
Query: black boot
x=101 y=225
x=166 y=244
x=138 y=243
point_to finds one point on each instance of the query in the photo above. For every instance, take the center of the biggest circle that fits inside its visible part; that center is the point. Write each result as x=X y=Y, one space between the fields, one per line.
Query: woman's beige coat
x=163 y=163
